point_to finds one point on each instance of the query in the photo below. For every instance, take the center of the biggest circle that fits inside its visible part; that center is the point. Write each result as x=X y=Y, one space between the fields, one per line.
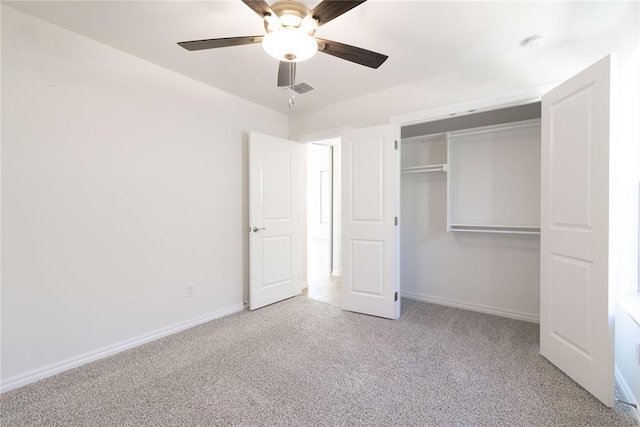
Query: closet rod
x=505 y=229
x=429 y=168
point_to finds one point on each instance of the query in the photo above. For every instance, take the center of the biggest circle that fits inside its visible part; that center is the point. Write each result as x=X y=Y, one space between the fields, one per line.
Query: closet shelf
x=426 y=168
x=510 y=229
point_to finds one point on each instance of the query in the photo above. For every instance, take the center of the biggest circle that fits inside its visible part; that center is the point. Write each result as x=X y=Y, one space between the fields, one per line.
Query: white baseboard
x=527 y=317
x=304 y=285
x=82 y=359
x=628 y=394
x=336 y=273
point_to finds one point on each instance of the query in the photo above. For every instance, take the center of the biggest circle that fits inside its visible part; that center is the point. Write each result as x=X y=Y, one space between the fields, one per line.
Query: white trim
x=321 y=135
x=527 y=317
x=628 y=394
x=334 y=138
x=534 y=124
x=533 y=94
x=304 y=285
x=82 y=359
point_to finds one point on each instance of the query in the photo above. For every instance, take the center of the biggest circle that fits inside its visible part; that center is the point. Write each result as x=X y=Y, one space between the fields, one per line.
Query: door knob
x=256 y=229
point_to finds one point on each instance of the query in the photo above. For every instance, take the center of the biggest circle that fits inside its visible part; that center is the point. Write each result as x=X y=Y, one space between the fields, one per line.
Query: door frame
x=332 y=171
x=465 y=108
x=469 y=107
x=304 y=140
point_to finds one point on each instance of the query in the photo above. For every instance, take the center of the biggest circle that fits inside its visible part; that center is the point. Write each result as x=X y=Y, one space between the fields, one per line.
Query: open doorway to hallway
x=323 y=269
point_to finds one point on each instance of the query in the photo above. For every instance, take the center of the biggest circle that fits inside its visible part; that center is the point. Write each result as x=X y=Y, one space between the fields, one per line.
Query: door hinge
x=396 y=144
x=396 y=220
x=396 y=297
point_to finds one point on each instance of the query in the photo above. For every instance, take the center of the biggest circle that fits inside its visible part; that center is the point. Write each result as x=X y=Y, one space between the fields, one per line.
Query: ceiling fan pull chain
x=292 y=99
x=292 y=83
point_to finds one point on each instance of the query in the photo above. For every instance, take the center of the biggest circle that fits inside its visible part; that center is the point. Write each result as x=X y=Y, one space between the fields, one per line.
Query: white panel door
x=274 y=235
x=370 y=237
x=576 y=306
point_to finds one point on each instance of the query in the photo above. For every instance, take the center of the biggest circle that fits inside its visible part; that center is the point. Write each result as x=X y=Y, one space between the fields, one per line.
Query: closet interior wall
x=493 y=272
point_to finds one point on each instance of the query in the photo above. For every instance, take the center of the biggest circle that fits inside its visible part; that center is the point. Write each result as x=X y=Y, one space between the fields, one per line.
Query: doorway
x=323 y=276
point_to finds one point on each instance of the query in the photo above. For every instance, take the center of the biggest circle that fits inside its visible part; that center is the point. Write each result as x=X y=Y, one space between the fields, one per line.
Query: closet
x=470 y=211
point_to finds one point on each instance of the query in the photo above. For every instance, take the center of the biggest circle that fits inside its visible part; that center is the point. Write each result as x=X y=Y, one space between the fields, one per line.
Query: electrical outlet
x=637 y=350
x=190 y=291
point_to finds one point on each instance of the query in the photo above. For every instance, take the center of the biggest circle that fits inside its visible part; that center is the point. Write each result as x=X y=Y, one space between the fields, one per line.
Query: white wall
x=122 y=182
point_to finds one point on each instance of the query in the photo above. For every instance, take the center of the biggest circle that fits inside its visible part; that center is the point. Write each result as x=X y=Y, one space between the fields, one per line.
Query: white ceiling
x=422 y=38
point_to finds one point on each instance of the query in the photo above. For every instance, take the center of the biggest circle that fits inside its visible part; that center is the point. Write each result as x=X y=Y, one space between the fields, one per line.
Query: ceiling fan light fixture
x=291 y=21
x=290 y=45
x=271 y=23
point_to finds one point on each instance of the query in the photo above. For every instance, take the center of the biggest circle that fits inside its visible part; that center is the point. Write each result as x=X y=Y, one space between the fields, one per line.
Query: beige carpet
x=304 y=362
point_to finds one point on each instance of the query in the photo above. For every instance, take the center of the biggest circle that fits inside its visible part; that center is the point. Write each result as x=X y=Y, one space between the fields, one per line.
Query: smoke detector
x=532 y=42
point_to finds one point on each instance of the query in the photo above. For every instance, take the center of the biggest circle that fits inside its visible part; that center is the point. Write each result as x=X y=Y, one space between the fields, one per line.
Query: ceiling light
x=290 y=45
x=272 y=24
x=290 y=20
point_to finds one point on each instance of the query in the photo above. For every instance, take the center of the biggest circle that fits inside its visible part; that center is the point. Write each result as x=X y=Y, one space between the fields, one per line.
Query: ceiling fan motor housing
x=289 y=35
x=290 y=13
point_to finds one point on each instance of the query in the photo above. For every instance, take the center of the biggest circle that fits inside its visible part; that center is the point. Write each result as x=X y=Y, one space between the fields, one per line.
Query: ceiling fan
x=290 y=27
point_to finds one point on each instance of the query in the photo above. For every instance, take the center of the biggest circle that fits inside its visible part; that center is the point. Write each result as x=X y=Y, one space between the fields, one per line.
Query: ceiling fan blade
x=286 y=74
x=351 y=53
x=260 y=7
x=223 y=42
x=328 y=10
